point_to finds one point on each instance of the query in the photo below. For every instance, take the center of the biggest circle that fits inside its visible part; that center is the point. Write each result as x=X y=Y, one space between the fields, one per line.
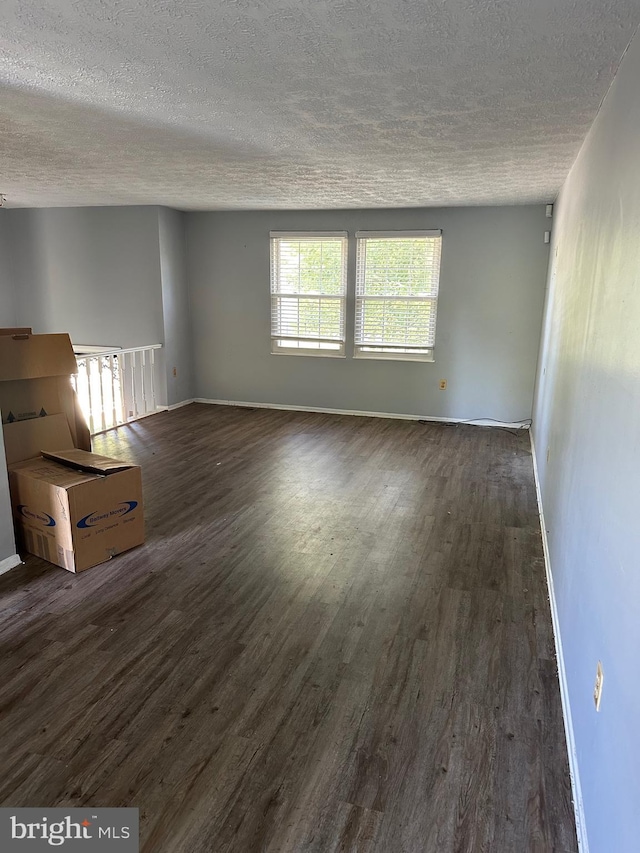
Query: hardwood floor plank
x=336 y=638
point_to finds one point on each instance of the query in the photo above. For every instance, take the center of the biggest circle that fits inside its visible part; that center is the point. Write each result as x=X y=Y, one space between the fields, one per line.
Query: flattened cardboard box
x=77 y=509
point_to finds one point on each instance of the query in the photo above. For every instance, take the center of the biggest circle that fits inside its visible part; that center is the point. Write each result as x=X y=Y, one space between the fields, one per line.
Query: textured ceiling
x=300 y=103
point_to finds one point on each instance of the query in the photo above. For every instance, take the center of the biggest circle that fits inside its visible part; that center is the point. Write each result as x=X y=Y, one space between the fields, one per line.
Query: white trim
x=117 y=351
x=156 y=411
x=393 y=415
x=396 y=235
x=368 y=325
x=284 y=300
x=9 y=563
x=393 y=354
x=574 y=772
x=82 y=350
x=178 y=405
x=141 y=417
x=323 y=353
x=306 y=235
x=135 y=420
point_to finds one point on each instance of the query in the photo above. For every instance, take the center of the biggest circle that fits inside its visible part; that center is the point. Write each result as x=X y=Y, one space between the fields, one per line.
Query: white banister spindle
x=112 y=372
x=134 y=390
x=152 y=354
x=142 y=382
x=123 y=404
x=116 y=386
x=90 y=399
x=100 y=365
x=126 y=386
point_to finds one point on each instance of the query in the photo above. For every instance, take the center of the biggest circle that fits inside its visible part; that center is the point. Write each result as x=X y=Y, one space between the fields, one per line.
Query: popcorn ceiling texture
x=214 y=104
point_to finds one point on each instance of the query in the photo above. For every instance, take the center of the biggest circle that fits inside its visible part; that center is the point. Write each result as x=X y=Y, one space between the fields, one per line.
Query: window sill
x=381 y=356
x=310 y=353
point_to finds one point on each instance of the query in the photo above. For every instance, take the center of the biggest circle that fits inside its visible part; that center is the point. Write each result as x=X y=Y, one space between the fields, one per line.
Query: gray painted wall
x=178 y=339
x=587 y=417
x=7 y=541
x=7 y=318
x=7 y=291
x=92 y=272
x=494 y=264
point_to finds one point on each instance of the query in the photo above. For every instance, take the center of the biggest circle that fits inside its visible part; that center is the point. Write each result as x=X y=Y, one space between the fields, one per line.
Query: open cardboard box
x=73 y=508
x=34 y=381
x=77 y=509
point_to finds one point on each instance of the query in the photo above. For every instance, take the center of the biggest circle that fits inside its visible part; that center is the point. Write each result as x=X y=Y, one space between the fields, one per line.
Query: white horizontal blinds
x=397 y=277
x=308 y=292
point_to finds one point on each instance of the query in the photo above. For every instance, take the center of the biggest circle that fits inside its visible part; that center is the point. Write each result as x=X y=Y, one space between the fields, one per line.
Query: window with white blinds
x=397 y=276
x=308 y=293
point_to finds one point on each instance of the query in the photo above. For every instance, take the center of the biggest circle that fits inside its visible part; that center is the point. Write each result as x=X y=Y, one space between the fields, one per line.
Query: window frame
x=392 y=352
x=283 y=349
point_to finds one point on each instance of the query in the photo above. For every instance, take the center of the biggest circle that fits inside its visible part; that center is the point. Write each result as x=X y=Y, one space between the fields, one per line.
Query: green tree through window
x=396 y=295
x=308 y=291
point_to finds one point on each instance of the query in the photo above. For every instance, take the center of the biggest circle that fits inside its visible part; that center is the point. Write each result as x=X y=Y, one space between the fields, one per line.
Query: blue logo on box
x=93 y=518
x=42 y=517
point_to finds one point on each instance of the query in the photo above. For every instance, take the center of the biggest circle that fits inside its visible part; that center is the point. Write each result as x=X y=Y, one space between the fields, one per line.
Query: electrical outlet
x=597 y=690
x=443 y=384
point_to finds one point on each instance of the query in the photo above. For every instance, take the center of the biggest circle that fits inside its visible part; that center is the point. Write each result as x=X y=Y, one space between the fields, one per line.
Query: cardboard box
x=27 y=439
x=77 y=509
x=73 y=508
x=35 y=383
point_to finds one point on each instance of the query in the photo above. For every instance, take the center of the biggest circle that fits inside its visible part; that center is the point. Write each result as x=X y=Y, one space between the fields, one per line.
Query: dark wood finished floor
x=337 y=638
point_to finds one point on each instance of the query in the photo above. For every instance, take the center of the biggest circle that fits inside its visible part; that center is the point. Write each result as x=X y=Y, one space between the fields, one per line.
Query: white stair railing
x=115 y=386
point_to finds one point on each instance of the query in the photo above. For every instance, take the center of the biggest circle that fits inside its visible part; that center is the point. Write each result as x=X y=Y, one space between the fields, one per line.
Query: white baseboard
x=179 y=405
x=156 y=411
x=358 y=413
x=574 y=772
x=9 y=563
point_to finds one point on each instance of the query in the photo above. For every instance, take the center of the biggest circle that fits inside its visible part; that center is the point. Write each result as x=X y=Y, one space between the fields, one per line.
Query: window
x=397 y=277
x=308 y=293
